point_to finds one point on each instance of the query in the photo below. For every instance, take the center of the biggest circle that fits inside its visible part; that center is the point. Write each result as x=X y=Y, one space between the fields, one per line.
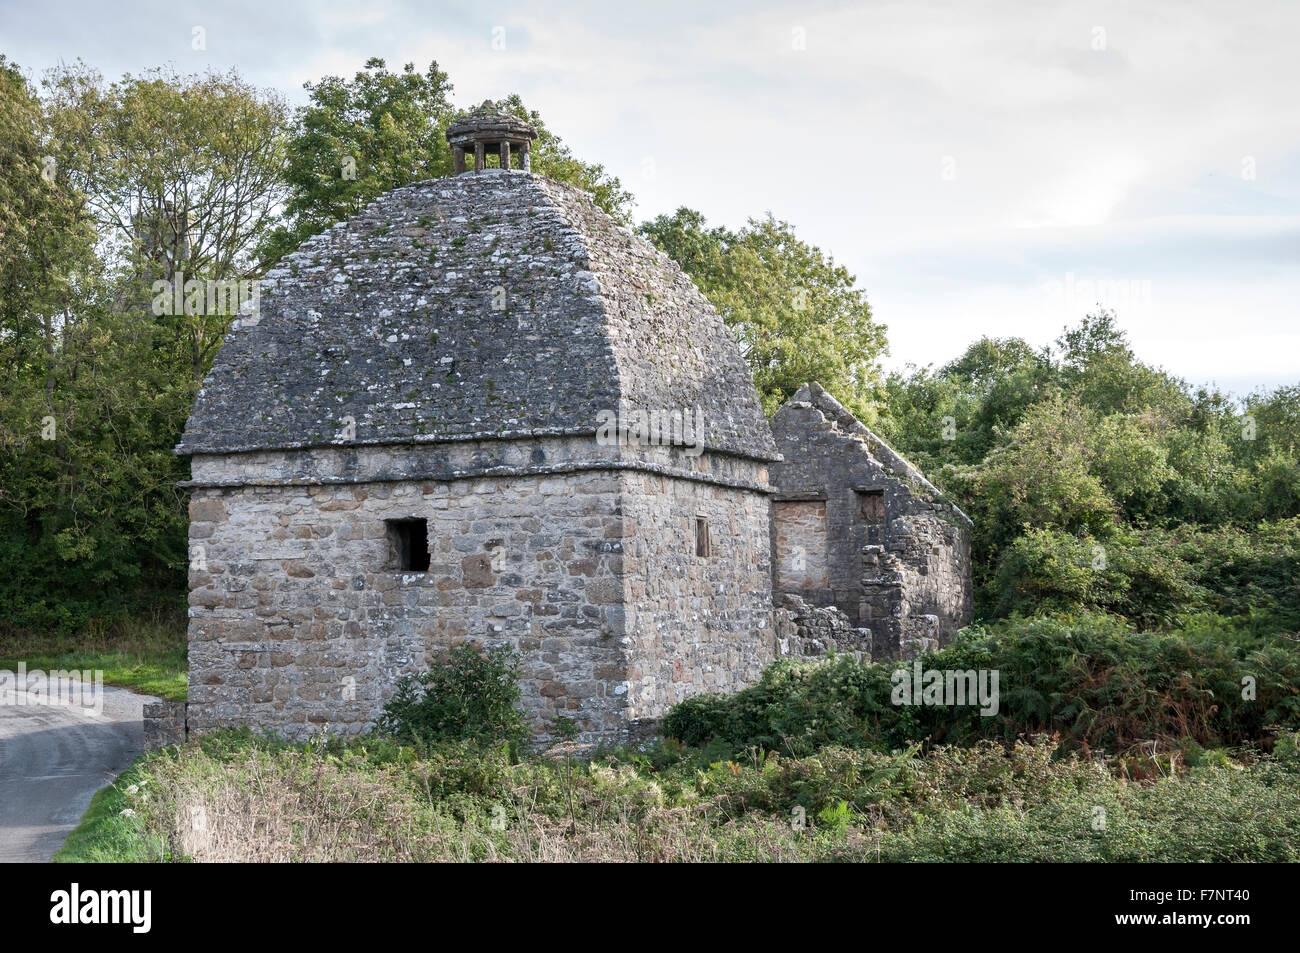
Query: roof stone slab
x=493 y=304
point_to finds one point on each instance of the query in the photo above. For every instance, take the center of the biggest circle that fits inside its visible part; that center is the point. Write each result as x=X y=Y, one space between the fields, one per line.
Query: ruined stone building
x=858 y=528
x=483 y=410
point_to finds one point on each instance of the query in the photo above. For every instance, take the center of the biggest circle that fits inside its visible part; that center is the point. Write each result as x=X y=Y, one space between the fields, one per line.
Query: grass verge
x=110 y=831
x=144 y=655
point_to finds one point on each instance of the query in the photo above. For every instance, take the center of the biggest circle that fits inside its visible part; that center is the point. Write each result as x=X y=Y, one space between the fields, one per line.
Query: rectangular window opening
x=871 y=506
x=702 y=545
x=409 y=542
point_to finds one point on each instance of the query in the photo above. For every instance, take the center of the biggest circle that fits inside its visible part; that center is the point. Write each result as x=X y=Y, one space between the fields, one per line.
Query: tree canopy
x=1097 y=481
x=798 y=315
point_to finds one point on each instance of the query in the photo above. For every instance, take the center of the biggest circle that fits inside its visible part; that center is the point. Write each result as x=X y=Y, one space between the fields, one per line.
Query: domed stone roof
x=487 y=118
x=494 y=303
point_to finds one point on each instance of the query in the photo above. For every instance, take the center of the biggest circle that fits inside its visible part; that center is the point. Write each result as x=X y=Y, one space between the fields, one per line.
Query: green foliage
x=356 y=140
x=1222 y=814
x=93 y=394
x=372 y=799
x=1057 y=453
x=197 y=207
x=798 y=315
x=565 y=728
x=468 y=695
x=1045 y=476
x=1155 y=577
x=984 y=393
x=1091 y=680
x=46 y=240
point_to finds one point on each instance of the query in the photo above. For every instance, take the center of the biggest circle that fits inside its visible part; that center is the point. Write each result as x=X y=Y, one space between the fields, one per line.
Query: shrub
x=1091 y=679
x=469 y=695
x=1157 y=578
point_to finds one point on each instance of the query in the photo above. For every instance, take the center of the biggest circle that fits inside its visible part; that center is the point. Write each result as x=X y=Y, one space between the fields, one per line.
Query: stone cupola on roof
x=488 y=128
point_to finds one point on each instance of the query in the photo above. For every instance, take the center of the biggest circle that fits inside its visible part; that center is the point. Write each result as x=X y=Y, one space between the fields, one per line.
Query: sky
x=983 y=168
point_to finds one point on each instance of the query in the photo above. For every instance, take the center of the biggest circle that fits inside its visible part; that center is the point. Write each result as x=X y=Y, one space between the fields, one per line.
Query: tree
x=46 y=240
x=89 y=514
x=1097 y=363
x=956 y=415
x=1045 y=476
x=356 y=140
x=798 y=315
x=381 y=130
x=183 y=177
x=1271 y=423
x=108 y=188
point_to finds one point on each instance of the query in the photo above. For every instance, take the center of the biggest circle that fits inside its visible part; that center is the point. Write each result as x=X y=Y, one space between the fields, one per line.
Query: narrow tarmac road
x=53 y=758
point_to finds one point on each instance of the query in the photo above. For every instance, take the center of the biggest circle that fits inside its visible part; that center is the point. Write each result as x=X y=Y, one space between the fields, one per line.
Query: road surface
x=53 y=758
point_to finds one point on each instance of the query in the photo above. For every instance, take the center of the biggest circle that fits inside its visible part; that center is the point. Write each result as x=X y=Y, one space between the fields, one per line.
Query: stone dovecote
x=483 y=411
x=469 y=365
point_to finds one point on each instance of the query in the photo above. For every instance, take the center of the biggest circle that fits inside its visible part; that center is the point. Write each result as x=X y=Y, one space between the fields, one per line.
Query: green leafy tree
x=798 y=315
x=1205 y=481
x=140 y=180
x=1098 y=366
x=357 y=139
x=956 y=415
x=1045 y=476
x=89 y=518
x=1130 y=459
x=183 y=177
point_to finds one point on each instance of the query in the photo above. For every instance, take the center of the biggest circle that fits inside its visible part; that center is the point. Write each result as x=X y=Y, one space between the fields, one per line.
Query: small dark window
x=409 y=540
x=871 y=506
x=702 y=546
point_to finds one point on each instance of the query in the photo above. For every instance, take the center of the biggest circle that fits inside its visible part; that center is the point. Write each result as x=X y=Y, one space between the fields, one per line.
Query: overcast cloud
x=983 y=168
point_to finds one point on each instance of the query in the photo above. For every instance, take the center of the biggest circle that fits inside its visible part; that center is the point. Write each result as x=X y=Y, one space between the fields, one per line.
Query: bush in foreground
x=467 y=695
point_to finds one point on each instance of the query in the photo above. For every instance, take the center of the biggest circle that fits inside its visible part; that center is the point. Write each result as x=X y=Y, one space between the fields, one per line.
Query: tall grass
x=143 y=653
x=232 y=797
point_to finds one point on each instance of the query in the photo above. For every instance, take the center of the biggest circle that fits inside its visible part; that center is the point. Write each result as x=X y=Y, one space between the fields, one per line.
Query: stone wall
x=931 y=557
x=898 y=560
x=695 y=623
x=299 y=619
x=164 y=724
x=804 y=630
x=580 y=556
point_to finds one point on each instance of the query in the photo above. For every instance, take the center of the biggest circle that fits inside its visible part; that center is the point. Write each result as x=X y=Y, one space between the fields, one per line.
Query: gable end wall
x=905 y=576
